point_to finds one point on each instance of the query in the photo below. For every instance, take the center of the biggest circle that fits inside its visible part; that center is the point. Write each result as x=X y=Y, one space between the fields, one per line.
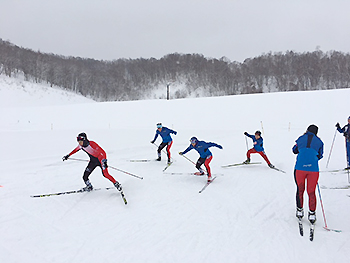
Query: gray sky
x=236 y=29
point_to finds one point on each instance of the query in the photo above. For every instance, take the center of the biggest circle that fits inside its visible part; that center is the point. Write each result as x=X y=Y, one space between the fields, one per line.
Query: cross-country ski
x=71 y=192
x=195 y=174
x=207 y=184
x=239 y=164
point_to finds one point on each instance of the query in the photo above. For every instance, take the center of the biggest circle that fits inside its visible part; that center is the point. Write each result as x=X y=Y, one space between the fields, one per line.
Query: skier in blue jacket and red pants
x=309 y=149
x=258 y=148
x=205 y=156
x=346 y=132
x=164 y=132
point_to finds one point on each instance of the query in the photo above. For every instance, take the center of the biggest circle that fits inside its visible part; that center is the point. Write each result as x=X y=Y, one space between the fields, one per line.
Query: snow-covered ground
x=246 y=215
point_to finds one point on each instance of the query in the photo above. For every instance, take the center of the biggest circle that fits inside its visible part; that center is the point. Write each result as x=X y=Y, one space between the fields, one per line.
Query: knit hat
x=313 y=128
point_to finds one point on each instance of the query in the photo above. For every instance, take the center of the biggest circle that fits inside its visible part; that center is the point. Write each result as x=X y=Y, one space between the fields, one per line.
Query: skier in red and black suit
x=309 y=149
x=97 y=156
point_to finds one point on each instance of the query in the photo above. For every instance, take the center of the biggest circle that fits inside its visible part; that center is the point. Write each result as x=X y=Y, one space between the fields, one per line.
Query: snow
x=246 y=215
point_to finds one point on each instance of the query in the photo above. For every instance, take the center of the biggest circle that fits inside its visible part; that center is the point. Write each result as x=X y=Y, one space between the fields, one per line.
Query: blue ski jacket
x=346 y=131
x=202 y=148
x=165 y=134
x=258 y=143
x=310 y=150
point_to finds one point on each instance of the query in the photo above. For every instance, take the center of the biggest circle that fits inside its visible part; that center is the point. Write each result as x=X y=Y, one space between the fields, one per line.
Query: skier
x=97 y=156
x=258 y=148
x=346 y=132
x=164 y=132
x=309 y=149
x=205 y=156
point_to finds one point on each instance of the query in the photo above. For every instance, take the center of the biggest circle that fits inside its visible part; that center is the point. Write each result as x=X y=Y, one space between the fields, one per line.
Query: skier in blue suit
x=346 y=132
x=309 y=149
x=164 y=132
x=205 y=156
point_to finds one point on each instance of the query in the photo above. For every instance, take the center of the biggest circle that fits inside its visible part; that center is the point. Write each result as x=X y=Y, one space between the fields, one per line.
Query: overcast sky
x=236 y=29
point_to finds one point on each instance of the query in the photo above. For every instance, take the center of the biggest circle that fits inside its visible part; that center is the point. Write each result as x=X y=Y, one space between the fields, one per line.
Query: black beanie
x=313 y=128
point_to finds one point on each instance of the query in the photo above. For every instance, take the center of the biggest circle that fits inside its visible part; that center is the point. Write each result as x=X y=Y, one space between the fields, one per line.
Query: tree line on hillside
x=131 y=79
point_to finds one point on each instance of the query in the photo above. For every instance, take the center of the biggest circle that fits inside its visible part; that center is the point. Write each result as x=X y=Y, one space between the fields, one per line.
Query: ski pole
x=246 y=142
x=158 y=146
x=324 y=216
x=330 y=152
x=188 y=159
x=162 y=150
x=134 y=175
x=75 y=159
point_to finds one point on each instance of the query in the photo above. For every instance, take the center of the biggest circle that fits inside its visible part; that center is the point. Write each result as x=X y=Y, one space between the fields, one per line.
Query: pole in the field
x=168 y=91
x=262 y=127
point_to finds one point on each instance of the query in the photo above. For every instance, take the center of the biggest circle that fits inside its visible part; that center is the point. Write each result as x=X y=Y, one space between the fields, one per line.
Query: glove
x=246 y=133
x=219 y=146
x=181 y=153
x=104 y=163
x=152 y=141
x=65 y=157
x=337 y=125
x=175 y=132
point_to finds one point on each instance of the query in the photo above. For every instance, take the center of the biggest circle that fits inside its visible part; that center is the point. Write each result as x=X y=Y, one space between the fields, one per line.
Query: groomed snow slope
x=246 y=215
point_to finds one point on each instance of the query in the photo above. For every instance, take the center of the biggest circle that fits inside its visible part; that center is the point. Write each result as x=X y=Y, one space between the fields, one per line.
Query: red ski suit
x=96 y=154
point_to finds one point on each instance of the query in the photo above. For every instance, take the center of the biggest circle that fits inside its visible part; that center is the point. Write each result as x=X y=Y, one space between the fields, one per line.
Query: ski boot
x=247 y=161
x=88 y=187
x=118 y=186
x=209 y=178
x=299 y=213
x=312 y=217
x=271 y=166
x=201 y=172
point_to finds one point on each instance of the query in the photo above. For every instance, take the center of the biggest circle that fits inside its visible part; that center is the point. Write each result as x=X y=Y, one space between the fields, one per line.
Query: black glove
x=246 y=133
x=219 y=146
x=104 y=163
x=65 y=157
x=337 y=125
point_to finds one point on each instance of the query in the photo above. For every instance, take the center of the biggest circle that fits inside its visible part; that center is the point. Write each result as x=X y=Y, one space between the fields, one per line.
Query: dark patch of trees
x=132 y=79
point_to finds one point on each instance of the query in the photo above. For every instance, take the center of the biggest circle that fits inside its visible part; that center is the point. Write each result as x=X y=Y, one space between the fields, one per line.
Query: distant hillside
x=188 y=75
x=16 y=92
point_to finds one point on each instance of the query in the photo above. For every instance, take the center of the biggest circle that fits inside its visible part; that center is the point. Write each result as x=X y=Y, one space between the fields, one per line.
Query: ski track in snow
x=246 y=215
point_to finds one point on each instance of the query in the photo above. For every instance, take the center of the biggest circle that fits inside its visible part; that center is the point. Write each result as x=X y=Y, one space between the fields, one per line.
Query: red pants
x=206 y=162
x=311 y=178
x=168 y=146
x=263 y=155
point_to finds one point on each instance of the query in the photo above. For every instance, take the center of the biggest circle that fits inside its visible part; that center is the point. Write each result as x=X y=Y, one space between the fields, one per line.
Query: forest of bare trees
x=130 y=79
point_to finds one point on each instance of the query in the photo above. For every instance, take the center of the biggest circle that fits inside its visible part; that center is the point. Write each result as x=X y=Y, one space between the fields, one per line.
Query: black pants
x=199 y=163
x=94 y=162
